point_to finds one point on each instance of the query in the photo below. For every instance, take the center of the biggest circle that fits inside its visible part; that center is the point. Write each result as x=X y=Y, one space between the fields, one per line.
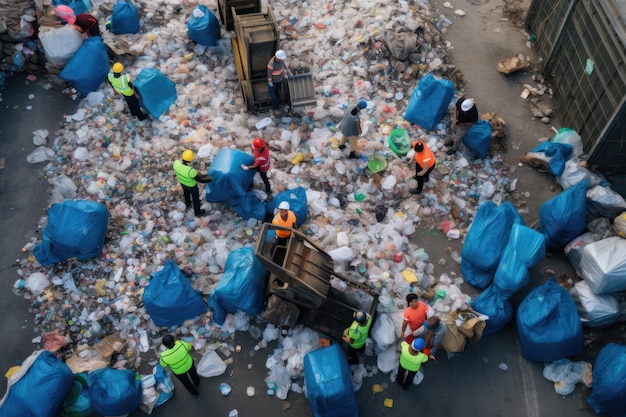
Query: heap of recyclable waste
x=354 y=51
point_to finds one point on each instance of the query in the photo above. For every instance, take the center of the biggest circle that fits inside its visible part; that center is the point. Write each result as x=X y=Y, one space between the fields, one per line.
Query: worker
x=277 y=71
x=261 y=161
x=424 y=165
x=411 y=360
x=351 y=127
x=432 y=332
x=285 y=218
x=414 y=316
x=189 y=178
x=121 y=84
x=84 y=22
x=356 y=335
x=465 y=115
x=177 y=357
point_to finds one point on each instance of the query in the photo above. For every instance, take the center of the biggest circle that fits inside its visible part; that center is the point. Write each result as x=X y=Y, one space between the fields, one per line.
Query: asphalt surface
x=488 y=379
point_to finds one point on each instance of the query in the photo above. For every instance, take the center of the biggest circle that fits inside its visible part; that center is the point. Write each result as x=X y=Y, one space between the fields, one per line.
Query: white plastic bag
x=211 y=365
x=387 y=360
x=60 y=44
x=383 y=331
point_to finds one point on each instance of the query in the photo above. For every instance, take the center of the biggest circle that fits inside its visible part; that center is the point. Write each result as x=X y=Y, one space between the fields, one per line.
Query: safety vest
x=359 y=333
x=290 y=222
x=177 y=357
x=411 y=362
x=121 y=84
x=186 y=174
x=425 y=156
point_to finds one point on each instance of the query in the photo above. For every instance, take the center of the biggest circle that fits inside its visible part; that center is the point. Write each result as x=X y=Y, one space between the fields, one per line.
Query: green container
x=377 y=165
x=399 y=142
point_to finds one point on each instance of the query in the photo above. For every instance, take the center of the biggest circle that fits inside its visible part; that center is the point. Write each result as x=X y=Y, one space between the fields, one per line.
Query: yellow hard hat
x=117 y=68
x=188 y=155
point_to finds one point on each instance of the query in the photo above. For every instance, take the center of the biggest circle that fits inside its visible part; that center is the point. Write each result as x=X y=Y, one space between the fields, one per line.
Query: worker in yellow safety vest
x=177 y=357
x=189 y=178
x=121 y=83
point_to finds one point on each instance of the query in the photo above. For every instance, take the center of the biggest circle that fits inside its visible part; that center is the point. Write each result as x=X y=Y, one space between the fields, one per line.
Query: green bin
x=399 y=142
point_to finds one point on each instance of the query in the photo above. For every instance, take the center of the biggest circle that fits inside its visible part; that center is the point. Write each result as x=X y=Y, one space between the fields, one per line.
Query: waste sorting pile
x=364 y=219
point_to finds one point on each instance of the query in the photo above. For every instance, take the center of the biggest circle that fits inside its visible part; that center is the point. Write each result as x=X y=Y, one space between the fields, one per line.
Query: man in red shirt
x=261 y=161
x=424 y=164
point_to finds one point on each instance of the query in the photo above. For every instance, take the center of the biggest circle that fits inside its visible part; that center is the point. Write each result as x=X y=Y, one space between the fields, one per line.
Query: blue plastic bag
x=524 y=249
x=564 y=217
x=297 y=203
x=78 y=401
x=242 y=286
x=229 y=181
x=495 y=305
x=478 y=138
x=329 y=386
x=608 y=393
x=248 y=206
x=156 y=92
x=76 y=228
x=486 y=240
x=548 y=324
x=114 y=392
x=79 y=6
x=41 y=373
x=124 y=18
x=429 y=101
x=164 y=385
x=203 y=27
x=170 y=299
x=89 y=66
x=559 y=153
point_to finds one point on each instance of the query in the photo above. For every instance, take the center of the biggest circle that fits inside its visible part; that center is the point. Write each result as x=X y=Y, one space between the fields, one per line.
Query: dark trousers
x=423 y=178
x=190 y=379
x=192 y=193
x=266 y=181
x=274 y=94
x=353 y=354
x=405 y=378
x=133 y=105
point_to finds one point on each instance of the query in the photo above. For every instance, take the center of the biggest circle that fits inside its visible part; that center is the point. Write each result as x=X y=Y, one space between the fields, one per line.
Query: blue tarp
x=328 y=383
x=478 y=138
x=524 y=249
x=157 y=92
x=249 y=205
x=429 y=101
x=124 y=18
x=76 y=228
x=564 y=217
x=485 y=241
x=495 y=305
x=548 y=324
x=297 y=202
x=41 y=374
x=114 y=392
x=170 y=299
x=229 y=181
x=241 y=287
x=608 y=394
x=559 y=153
x=204 y=29
x=89 y=66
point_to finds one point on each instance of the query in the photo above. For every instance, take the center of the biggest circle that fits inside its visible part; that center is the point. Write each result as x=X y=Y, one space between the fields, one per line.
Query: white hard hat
x=280 y=54
x=284 y=205
x=467 y=104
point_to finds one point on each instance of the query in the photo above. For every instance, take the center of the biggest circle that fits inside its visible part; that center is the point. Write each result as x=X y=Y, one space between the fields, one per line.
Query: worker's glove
x=271 y=84
x=244 y=167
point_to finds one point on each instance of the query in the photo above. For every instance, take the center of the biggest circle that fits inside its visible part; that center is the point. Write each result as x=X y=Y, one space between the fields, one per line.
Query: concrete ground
x=471 y=384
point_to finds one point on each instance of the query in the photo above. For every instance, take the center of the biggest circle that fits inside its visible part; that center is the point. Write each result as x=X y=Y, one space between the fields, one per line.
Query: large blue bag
x=495 y=305
x=297 y=203
x=44 y=374
x=76 y=228
x=241 y=287
x=203 y=27
x=89 y=66
x=485 y=241
x=429 y=101
x=478 y=138
x=79 y=6
x=559 y=153
x=548 y=324
x=564 y=217
x=228 y=180
x=524 y=249
x=170 y=299
x=114 y=392
x=328 y=383
x=608 y=394
x=78 y=402
x=124 y=18
x=156 y=92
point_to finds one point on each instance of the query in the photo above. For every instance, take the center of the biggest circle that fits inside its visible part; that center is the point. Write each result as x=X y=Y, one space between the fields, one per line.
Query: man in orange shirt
x=286 y=218
x=424 y=164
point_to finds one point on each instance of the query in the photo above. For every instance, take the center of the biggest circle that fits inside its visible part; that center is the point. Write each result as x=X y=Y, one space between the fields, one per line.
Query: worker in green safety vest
x=189 y=178
x=356 y=335
x=121 y=83
x=177 y=357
